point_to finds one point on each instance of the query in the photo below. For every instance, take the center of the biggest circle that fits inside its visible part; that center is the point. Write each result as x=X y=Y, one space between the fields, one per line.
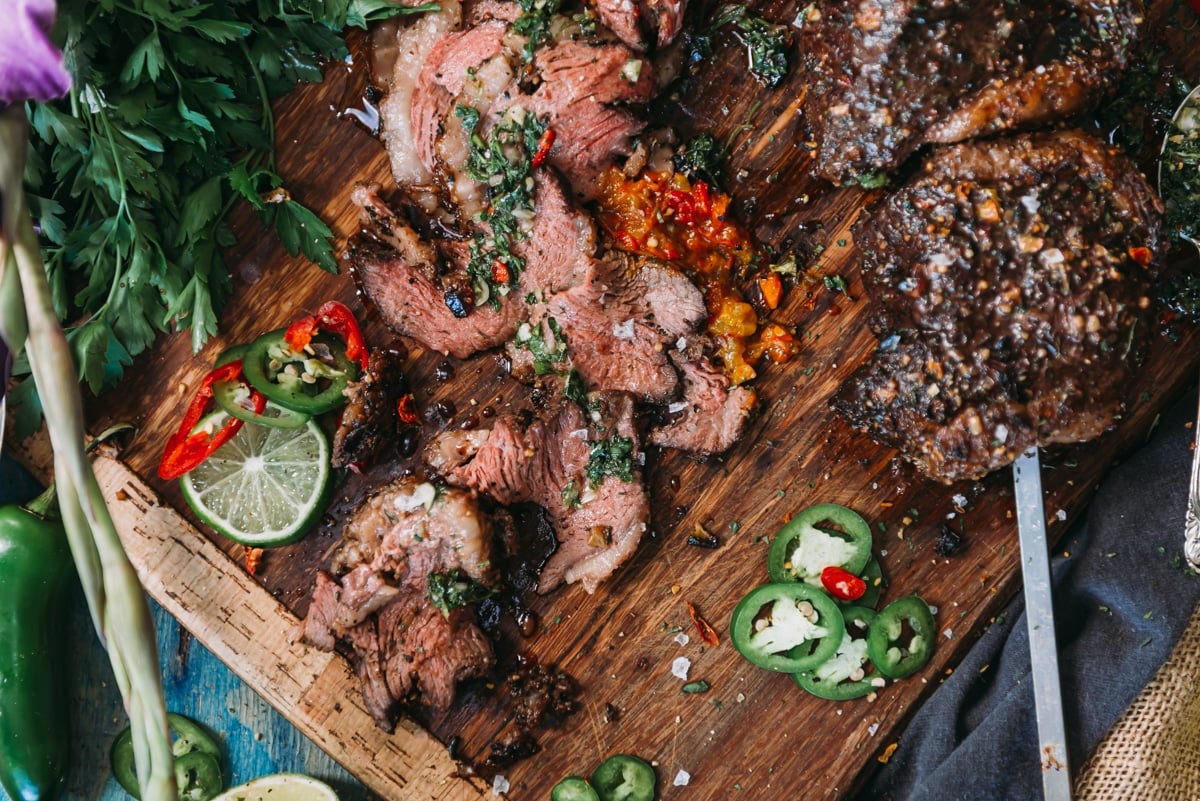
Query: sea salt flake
x=874 y=727
x=682 y=638
x=1060 y=515
x=499 y=785
x=681 y=778
x=680 y=667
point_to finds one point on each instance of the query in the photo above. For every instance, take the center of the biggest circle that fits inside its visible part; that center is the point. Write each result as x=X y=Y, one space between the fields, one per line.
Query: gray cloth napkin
x=1123 y=597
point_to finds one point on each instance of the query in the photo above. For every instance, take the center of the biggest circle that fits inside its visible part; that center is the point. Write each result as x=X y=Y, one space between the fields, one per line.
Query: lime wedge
x=280 y=787
x=264 y=487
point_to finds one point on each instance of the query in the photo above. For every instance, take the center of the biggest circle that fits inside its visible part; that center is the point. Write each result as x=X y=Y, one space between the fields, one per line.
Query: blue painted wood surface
x=256 y=739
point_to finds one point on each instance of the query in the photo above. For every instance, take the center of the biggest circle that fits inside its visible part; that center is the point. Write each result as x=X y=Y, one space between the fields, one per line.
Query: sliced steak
x=583 y=93
x=558 y=462
x=413 y=44
x=559 y=252
x=675 y=303
x=404 y=648
x=469 y=67
x=711 y=416
x=1012 y=280
x=370 y=420
x=410 y=530
x=641 y=23
x=887 y=77
x=399 y=273
x=410 y=649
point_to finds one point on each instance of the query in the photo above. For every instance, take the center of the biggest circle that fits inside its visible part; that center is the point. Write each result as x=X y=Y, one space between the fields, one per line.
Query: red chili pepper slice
x=500 y=274
x=1143 y=255
x=185 y=449
x=331 y=316
x=842 y=584
x=406 y=408
x=543 y=148
x=707 y=633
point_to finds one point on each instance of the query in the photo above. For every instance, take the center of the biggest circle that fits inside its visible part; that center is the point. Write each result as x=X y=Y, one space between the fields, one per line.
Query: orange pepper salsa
x=666 y=216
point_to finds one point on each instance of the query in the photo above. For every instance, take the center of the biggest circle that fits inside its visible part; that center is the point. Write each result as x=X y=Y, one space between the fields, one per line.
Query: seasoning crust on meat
x=887 y=77
x=1012 y=283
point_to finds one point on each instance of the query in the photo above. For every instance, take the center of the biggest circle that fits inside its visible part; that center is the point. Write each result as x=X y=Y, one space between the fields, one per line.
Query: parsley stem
x=268 y=116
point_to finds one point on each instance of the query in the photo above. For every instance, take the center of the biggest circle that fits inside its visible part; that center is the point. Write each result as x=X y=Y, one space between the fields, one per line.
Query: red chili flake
x=1143 y=255
x=253 y=560
x=543 y=149
x=406 y=407
x=707 y=633
x=500 y=272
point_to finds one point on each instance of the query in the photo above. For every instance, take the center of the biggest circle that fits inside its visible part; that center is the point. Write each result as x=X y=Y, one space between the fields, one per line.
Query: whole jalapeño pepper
x=36 y=571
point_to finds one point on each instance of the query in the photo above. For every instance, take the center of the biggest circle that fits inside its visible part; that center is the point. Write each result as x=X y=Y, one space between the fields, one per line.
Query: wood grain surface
x=753 y=732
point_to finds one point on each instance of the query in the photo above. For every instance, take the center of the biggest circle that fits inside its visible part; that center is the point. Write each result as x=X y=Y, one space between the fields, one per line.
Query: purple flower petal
x=30 y=65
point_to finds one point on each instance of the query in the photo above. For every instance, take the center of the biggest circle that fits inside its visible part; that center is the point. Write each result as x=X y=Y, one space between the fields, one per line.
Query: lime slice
x=280 y=787
x=264 y=487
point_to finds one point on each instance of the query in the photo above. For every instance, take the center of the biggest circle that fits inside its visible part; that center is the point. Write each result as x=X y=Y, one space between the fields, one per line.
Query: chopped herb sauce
x=502 y=162
x=611 y=457
x=534 y=24
x=451 y=590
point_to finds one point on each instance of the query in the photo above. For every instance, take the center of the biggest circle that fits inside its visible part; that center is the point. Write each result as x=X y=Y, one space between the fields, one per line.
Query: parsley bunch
x=131 y=176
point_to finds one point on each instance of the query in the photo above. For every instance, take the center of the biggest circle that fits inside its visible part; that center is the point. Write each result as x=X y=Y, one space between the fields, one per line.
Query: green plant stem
x=115 y=597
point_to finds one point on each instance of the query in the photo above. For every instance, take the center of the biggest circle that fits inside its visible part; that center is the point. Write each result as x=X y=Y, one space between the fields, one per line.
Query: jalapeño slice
x=309 y=381
x=788 y=627
x=847 y=674
x=622 y=777
x=820 y=536
x=891 y=657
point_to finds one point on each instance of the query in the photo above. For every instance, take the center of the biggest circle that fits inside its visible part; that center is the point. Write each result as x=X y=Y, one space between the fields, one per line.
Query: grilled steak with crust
x=1012 y=280
x=888 y=76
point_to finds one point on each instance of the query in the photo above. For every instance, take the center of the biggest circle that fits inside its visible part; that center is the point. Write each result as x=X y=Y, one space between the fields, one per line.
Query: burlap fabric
x=1153 y=751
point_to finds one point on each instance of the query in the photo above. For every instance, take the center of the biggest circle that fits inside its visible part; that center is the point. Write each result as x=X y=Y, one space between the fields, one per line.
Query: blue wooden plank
x=257 y=740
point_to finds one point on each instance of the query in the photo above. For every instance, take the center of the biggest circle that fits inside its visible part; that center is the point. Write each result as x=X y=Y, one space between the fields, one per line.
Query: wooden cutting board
x=752 y=732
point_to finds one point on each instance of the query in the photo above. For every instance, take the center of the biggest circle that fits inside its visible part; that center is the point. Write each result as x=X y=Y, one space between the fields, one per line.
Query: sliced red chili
x=406 y=409
x=842 y=584
x=188 y=447
x=708 y=634
x=331 y=316
x=543 y=148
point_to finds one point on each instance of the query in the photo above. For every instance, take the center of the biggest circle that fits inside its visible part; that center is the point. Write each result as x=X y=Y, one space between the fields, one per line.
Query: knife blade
x=1191 y=521
x=1039 y=615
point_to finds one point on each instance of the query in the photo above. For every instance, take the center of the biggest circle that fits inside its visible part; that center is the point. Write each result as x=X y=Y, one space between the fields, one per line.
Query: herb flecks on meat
x=453 y=589
x=504 y=162
x=767 y=43
x=534 y=24
x=611 y=457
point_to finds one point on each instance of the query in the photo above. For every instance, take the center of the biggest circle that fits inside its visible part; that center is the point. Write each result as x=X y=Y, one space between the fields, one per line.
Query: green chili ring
x=783 y=644
x=885 y=653
x=833 y=684
x=573 y=788
x=198 y=776
x=803 y=540
x=230 y=396
x=190 y=738
x=275 y=369
x=622 y=777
